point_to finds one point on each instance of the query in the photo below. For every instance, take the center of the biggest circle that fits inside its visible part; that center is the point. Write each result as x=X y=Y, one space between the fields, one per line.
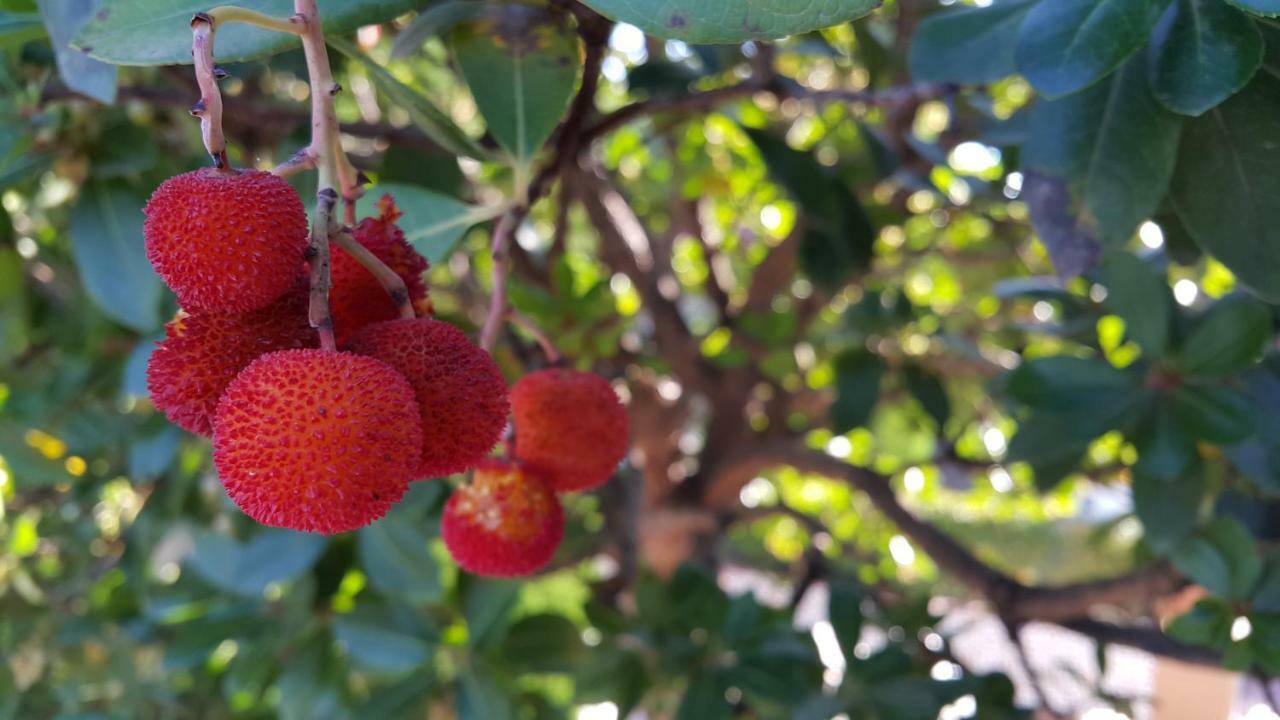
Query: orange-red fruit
x=506 y=523
x=357 y=298
x=226 y=241
x=570 y=427
x=460 y=391
x=201 y=355
x=316 y=441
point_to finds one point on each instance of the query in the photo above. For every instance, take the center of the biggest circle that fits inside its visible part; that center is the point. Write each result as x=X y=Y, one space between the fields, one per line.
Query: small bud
x=198 y=109
x=220 y=74
x=201 y=17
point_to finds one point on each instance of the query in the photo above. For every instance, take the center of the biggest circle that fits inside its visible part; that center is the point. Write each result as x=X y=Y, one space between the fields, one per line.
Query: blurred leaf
x=150 y=457
x=1164 y=448
x=612 y=675
x=432 y=21
x=1168 y=508
x=270 y=556
x=63 y=19
x=308 y=687
x=1062 y=383
x=844 y=608
x=1214 y=414
x=125 y=148
x=480 y=698
x=1266 y=596
x=373 y=640
x=106 y=241
x=1227 y=176
x=487 y=605
x=730 y=21
x=858 y=377
x=1229 y=338
x=157 y=32
x=1067 y=45
x=1202 y=52
x=522 y=64
x=1071 y=242
x=543 y=644
x=432 y=222
x=1265 y=8
x=969 y=45
x=930 y=392
x=1113 y=144
x=422 y=112
x=704 y=700
x=1208 y=623
x=1053 y=446
x=1223 y=558
x=18 y=28
x=400 y=701
x=1140 y=296
x=396 y=556
x=134 y=381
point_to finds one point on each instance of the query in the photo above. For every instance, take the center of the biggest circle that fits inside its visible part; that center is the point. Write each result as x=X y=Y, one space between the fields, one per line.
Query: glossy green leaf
x=396 y=555
x=1228 y=183
x=1139 y=295
x=158 y=32
x=968 y=44
x=433 y=223
x=106 y=240
x=1202 y=52
x=522 y=64
x=730 y=21
x=63 y=19
x=1114 y=145
x=1065 y=384
x=1067 y=45
x=858 y=378
x=1229 y=338
x=1214 y=414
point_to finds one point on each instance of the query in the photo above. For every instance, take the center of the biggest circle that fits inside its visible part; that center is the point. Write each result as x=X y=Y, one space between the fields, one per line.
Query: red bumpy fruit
x=506 y=523
x=461 y=394
x=316 y=441
x=226 y=241
x=201 y=354
x=357 y=298
x=570 y=427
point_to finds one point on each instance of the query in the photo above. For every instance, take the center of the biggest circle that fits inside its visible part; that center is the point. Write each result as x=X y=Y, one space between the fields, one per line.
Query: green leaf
x=1114 y=145
x=481 y=698
x=378 y=643
x=1230 y=337
x=708 y=22
x=543 y=644
x=422 y=112
x=1265 y=8
x=433 y=21
x=1208 y=623
x=704 y=700
x=522 y=64
x=858 y=377
x=1168 y=509
x=1227 y=184
x=1223 y=558
x=1067 y=45
x=432 y=222
x=396 y=555
x=1067 y=384
x=158 y=32
x=930 y=392
x=1215 y=414
x=106 y=241
x=487 y=605
x=969 y=45
x=1140 y=296
x=63 y=19
x=1266 y=596
x=1053 y=446
x=844 y=607
x=247 y=569
x=1165 y=449
x=19 y=28
x=1202 y=52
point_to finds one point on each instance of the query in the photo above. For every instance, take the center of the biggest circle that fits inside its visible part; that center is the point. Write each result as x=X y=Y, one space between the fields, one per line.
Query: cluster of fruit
x=328 y=440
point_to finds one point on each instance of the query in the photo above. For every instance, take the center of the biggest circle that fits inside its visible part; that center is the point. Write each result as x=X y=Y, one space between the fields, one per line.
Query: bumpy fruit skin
x=316 y=441
x=506 y=523
x=201 y=354
x=357 y=299
x=460 y=391
x=226 y=241
x=570 y=427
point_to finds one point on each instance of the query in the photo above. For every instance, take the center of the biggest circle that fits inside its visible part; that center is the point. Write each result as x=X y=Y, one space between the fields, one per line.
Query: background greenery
x=891 y=300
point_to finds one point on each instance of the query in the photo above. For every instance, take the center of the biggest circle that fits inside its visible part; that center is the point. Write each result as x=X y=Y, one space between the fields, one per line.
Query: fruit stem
x=318 y=255
x=231 y=13
x=390 y=280
x=500 y=249
x=209 y=107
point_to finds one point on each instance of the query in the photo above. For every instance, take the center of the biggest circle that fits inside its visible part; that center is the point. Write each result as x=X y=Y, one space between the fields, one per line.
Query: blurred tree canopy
x=894 y=293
